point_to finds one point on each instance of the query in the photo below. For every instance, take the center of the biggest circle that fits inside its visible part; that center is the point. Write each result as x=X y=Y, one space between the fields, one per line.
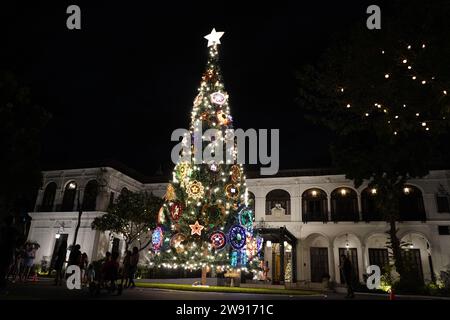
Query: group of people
x=111 y=272
x=22 y=266
x=13 y=261
x=75 y=258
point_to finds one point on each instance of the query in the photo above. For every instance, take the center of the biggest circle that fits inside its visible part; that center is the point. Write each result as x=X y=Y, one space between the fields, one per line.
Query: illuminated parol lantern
x=246 y=218
x=237 y=237
x=218 y=240
x=157 y=238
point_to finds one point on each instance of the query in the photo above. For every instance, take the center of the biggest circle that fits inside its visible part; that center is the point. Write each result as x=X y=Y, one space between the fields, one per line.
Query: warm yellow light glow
x=72 y=185
x=348 y=105
x=424 y=124
x=373 y=191
x=405 y=61
x=386 y=75
x=314 y=193
x=343 y=191
x=406 y=190
x=414 y=77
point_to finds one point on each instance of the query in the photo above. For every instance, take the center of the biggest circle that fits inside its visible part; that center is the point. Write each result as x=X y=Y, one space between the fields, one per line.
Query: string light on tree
x=203 y=200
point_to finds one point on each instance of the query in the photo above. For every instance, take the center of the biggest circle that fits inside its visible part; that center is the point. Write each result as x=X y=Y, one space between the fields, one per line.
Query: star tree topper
x=214 y=37
x=196 y=228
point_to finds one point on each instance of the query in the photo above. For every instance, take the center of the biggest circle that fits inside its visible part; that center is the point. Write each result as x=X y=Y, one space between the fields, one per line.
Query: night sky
x=118 y=87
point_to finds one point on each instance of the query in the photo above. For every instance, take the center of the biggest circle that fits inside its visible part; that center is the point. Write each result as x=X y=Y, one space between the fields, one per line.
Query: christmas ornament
x=209 y=75
x=234 y=258
x=198 y=100
x=246 y=218
x=222 y=118
x=176 y=210
x=237 y=236
x=214 y=37
x=157 y=238
x=177 y=240
x=232 y=191
x=243 y=258
x=161 y=218
x=235 y=173
x=259 y=243
x=183 y=170
x=218 y=98
x=196 y=228
x=213 y=166
x=218 y=240
x=205 y=116
x=251 y=246
x=170 y=193
x=195 y=190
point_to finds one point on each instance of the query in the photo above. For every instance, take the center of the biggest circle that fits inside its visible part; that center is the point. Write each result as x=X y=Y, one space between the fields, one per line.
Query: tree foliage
x=385 y=95
x=133 y=215
x=21 y=122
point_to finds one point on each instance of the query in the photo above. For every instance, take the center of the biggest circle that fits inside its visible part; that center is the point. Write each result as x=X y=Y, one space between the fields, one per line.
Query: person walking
x=134 y=260
x=84 y=262
x=347 y=272
x=126 y=269
x=75 y=256
x=59 y=262
x=30 y=255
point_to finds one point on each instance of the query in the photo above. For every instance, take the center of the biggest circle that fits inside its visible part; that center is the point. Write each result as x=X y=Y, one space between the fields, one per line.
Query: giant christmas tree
x=205 y=221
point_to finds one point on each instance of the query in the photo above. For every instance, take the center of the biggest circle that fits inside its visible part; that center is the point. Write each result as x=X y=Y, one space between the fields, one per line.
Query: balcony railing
x=314 y=217
x=341 y=216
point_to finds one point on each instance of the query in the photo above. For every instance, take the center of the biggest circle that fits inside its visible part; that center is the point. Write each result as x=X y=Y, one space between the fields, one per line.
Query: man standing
x=347 y=272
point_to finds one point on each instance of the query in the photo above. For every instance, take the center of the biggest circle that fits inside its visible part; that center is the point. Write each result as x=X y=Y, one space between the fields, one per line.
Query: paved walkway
x=45 y=290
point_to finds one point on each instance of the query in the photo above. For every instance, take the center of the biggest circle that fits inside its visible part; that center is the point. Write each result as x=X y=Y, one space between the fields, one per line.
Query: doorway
x=62 y=238
x=413 y=261
x=352 y=254
x=319 y=263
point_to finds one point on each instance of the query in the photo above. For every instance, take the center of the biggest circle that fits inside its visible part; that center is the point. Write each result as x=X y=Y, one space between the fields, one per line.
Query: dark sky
x=118 y=87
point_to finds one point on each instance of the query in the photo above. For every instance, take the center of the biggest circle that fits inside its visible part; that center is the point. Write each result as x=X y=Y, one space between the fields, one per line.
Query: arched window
x=251 y=201
x=344 y=205
x=368 y=208
x=124 y=190
x=278 y=203
x=314 y=205
x=411 y=204
x=90 y=196
x=49 y=197
x=69 y=196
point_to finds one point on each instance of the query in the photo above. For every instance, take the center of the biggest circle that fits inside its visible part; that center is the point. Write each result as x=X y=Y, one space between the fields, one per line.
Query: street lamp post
x=72 y=185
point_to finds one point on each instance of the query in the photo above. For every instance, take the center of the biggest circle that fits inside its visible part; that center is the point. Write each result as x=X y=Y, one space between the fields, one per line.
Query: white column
x=260 y=208
x=360 y=208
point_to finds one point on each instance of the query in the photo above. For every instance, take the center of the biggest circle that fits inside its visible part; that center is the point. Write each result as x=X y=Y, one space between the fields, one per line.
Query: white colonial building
x=308 y=218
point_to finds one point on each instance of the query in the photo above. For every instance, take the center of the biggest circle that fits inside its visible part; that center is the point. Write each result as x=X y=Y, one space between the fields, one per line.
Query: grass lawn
x=188 y=287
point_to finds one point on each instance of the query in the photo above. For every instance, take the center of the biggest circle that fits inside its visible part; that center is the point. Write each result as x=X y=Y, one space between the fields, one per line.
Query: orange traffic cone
x=391 y=294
